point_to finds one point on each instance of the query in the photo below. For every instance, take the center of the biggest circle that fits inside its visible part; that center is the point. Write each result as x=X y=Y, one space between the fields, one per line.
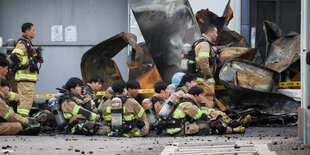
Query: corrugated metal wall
x=96 y=20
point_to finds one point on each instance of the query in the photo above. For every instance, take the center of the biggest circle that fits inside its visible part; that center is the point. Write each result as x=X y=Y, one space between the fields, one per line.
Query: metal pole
x=305 y=68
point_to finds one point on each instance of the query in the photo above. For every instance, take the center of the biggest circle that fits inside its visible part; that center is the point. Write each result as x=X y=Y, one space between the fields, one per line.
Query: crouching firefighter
x=125 y=116
x=81 y=120
x=12 y=123
x=187 y=118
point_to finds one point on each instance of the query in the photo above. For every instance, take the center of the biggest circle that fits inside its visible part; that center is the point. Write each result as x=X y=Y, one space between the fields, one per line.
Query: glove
x=40 y=53
x=86 y=103
x=33 y=67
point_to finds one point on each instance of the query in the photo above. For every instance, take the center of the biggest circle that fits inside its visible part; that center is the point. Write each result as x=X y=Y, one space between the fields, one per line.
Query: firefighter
x=132 y=87
x=188 y=81
x=134 y=121
x=93 y=85
x=12 y=123
x=206 y=64
x=160 y=96
x=4 y=65
x=24 y=55
x=76 y=107
x=195 y=120
x=187 y=118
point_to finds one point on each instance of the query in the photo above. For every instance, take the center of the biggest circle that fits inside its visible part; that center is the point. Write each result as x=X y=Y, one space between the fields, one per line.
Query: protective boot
x=239 y=129
x=244 y=121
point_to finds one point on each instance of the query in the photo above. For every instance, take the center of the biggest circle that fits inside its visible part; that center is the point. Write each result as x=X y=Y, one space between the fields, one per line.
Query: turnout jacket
x=182 y=90
x=133 y=113
x=204 y=53
x=159 y=100
x=7 y=114
x=188 y=114
x=22 y=54
x=90 y=93
x=73 y=106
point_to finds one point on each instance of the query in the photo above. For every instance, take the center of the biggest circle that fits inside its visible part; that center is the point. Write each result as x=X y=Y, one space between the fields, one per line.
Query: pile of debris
x=252 y=84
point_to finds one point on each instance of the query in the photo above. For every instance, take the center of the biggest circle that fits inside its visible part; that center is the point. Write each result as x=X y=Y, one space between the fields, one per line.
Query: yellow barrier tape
x=219 y=87
x=290 y=84
x=100 y=93
x=44 y=95
x=147 y=91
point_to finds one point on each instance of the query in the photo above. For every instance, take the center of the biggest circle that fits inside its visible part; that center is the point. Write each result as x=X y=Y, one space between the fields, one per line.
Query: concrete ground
x=256 y=140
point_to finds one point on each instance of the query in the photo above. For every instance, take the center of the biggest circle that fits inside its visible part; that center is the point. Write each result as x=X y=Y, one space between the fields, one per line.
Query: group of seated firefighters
x=179 y=108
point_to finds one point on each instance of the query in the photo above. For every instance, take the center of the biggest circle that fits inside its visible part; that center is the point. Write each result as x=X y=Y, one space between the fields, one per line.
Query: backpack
x=191 y=56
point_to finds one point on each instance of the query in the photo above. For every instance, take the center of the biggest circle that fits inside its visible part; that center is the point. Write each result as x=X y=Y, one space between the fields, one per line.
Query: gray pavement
x=262 y=140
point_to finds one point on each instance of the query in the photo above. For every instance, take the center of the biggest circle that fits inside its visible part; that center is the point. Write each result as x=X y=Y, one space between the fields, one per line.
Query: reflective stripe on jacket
x=22 y=53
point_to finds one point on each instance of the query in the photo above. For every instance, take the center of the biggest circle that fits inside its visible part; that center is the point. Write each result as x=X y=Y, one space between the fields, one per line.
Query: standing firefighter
x=206 y=64
x=25 y=58
x=128 y=118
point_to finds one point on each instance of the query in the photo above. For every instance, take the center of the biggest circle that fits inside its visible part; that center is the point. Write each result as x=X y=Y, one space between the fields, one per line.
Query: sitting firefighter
x=196 y=121
x=188 y=81
x=124 y=114
x=12 y=98
x=132 y=87
x=186 y=117
x=12 y=123
x=77 y=109
x=93 y=85
x=160 y=96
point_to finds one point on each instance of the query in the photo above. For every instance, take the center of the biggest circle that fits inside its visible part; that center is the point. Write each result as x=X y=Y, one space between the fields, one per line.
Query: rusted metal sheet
x=204 y=16
x=228 y=36
x=228 y=13
x=97 y=61
x=141 y=66
x=229 y=53
x=272 y=33
x=166 y=26
x=250 y=85
x=246 y=75
x=283 y=52
x=225 y=36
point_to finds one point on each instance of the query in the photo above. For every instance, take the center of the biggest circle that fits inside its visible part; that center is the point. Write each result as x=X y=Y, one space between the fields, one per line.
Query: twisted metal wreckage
x=251 y=88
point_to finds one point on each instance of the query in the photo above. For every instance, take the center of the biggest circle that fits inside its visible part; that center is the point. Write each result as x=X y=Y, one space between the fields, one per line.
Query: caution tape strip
x=147 y=91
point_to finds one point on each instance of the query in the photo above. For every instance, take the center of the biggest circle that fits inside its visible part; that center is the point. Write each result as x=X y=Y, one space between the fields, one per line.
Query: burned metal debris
x=141 y=65
x=246 y=75
x=283 y=52
x=97 y=61
x=237 y=52
x=251 y=85
x=166 y=26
